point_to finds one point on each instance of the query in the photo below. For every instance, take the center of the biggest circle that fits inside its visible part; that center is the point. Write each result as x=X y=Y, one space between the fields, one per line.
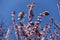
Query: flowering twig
x=8 y=33
x=30 y=13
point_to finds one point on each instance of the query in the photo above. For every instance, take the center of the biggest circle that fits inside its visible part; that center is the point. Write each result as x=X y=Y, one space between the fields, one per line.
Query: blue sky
x=7 y=6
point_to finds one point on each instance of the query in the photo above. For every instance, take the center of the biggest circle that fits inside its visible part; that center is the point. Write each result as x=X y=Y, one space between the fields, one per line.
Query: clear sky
x=7 y=6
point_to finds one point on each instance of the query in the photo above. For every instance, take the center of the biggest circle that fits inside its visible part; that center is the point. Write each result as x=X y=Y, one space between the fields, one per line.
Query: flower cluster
x=32 y=30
